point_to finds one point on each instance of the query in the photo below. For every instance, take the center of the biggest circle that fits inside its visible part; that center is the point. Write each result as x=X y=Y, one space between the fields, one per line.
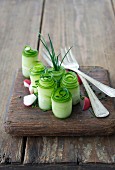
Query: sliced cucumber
x=29 y=57
x=70 y=81
x=46 y=86
x=61 y=103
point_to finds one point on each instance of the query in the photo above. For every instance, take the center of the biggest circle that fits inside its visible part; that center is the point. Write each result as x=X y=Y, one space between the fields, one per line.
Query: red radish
x=31 y=89
x=85 y=102
x=27 y=83
x=67 y=70
x=29 y=99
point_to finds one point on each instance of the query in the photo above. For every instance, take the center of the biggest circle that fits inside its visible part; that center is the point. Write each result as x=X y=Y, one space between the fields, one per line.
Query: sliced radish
x=85 y=103
x=31 y=89
x=29 y=99
x=27 y=83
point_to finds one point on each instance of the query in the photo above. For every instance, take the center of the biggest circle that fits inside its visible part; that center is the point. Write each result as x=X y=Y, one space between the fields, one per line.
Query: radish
x=31 y=89
x=85 y=103
x=29 y=99
x=27 y=83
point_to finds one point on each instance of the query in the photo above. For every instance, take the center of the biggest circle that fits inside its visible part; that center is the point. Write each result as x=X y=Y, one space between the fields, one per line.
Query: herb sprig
x=51 y=52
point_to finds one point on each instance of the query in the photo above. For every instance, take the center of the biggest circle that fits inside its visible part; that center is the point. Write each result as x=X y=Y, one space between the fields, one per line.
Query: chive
x=65 y=55
x=51 y=52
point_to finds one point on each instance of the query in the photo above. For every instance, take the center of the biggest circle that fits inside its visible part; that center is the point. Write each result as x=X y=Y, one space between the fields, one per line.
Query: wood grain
x=86 y=25
x=90 y=27
x=113 y=5
x=77 y=150
x=19 y=24
x=28 y=121
x=59 y=167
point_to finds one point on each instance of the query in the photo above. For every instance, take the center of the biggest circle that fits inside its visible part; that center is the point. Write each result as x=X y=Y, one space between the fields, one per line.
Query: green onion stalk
x=70 y=81
x=57 y=70
x=35 y=73
x=46 y=86
x=61 y=102
x=29 y=58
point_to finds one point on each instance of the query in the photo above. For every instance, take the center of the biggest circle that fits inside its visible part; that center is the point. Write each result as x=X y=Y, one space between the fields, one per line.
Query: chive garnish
x=51 y=52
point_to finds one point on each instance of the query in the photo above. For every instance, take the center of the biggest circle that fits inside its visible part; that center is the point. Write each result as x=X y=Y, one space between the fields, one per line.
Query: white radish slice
x=29 y=99
x=31 y=89
x=27 y=83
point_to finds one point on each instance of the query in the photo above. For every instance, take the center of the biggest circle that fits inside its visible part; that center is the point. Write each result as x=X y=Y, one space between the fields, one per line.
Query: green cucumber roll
x=29 y=57
x=35 y=73
x=70 y=81
x=46 y=86
x=57 y=74
x=61 y=102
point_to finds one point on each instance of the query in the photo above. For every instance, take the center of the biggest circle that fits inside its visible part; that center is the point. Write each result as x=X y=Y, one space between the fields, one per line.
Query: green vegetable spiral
x=57 y=74
x=29 y=59
x=37 y=69
x=29 y=52
x=35 y=73
x=46 y=81
x=61 y=103
x=61 y=95
x=46 y=86
x=70 y=81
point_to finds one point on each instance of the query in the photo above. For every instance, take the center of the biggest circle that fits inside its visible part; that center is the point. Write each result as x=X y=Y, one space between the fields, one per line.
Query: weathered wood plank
x=51 y=150
x=60 y=167
x=28 y=121
x=89 y=26
x=69 y=150
x=20 y=22
x=113 y=5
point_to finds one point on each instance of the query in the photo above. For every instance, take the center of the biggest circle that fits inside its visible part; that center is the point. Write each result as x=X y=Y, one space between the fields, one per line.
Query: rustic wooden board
x=19 y=25
x=79 y=150
x=28 y=121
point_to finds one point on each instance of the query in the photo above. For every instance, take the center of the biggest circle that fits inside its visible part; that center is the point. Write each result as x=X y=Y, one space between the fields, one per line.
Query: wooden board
x=28 y=121
x=19 y=25
x=78 y=150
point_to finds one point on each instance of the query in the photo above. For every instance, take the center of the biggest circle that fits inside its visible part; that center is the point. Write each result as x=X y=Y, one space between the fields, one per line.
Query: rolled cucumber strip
x=46 y=86
x=57 y=74
x=35 y=73
x=61 y=103
x=29 y=57
x=70 y=81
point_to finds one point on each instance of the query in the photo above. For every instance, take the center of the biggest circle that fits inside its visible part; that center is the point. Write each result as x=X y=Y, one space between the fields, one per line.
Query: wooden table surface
x=88 y=25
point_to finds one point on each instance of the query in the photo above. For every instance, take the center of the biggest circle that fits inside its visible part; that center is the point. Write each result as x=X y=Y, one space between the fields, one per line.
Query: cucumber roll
x=70 y=81
x=57 y=74
x=35 y=73
x=61 y=102
x=29 y=56
x=46 y=86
